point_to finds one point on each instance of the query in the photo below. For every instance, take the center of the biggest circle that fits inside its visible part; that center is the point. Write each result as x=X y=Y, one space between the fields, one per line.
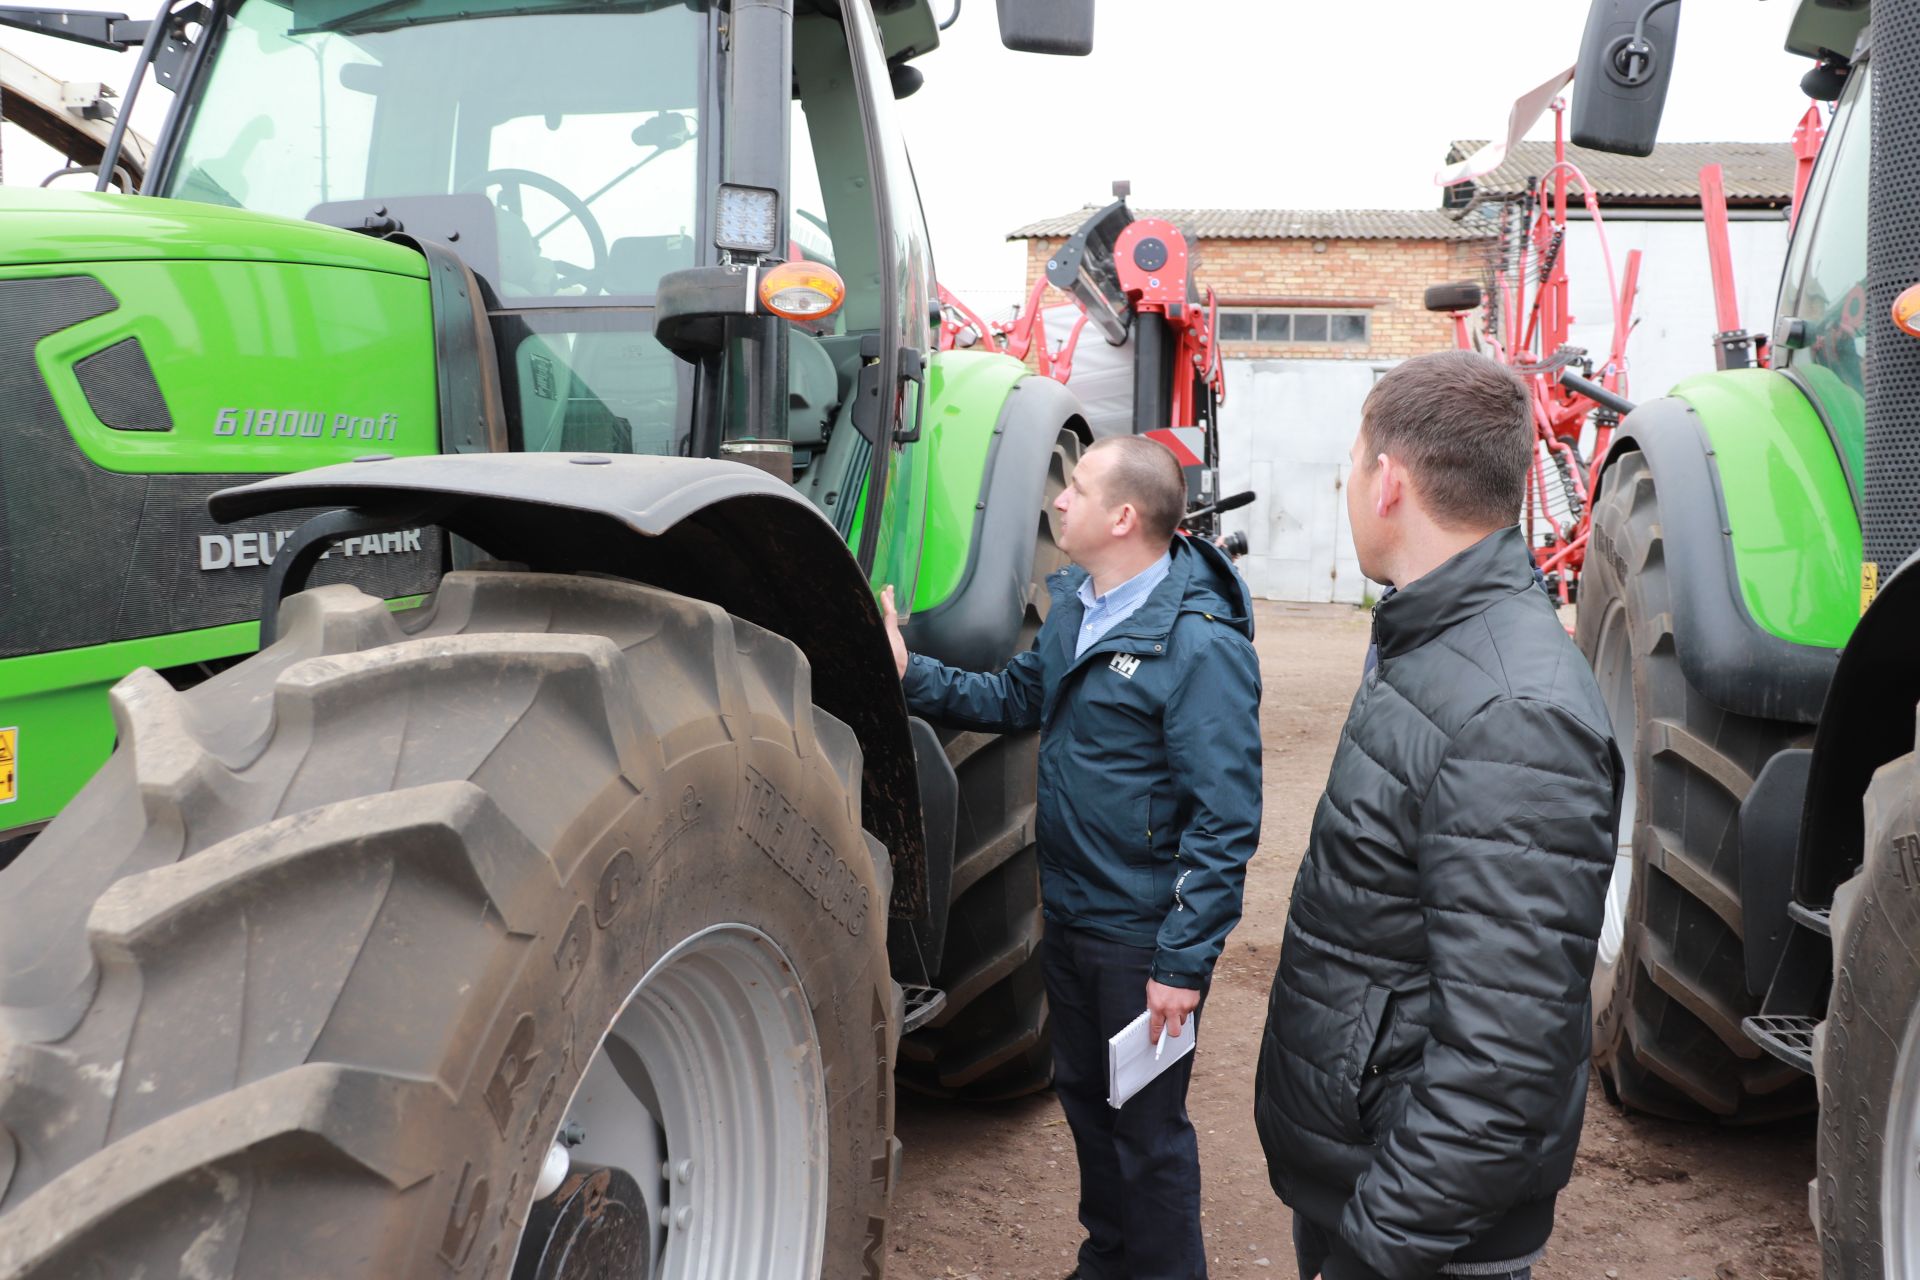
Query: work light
x=747 y=219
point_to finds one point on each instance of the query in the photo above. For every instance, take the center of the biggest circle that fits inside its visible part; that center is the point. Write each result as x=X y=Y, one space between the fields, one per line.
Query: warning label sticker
x=9 y=764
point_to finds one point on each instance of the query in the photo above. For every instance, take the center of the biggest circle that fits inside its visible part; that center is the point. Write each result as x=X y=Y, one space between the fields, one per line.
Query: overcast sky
x=1224 y=103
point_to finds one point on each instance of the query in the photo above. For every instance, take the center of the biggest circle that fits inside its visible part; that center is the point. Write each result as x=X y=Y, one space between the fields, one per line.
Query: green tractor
x=492 y=842
x=1751 y=611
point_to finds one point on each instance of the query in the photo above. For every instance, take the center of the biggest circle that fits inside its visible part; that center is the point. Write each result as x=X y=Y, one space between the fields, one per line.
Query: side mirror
x=1047 y=26
x=1620 y=82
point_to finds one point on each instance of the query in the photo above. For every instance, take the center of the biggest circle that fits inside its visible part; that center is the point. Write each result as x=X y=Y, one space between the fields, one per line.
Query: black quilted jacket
x=1424 y=1067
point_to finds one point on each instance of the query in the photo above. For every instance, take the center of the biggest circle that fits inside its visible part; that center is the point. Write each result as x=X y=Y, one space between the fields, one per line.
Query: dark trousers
x=1324 y=1254
x=1139 y=1165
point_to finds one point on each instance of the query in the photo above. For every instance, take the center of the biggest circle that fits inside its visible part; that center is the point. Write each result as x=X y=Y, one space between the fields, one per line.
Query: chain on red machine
x=1131 y=279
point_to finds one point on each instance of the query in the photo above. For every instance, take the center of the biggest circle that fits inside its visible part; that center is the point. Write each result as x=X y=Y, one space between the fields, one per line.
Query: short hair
x=1462 y=425
x=1146 y=474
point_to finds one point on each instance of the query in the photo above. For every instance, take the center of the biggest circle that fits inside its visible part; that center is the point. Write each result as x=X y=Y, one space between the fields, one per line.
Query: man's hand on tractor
x=1170 y=1007
x=894 y=637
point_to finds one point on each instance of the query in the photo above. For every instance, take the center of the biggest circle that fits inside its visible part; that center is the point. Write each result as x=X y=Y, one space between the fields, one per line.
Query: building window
x=1331 y=328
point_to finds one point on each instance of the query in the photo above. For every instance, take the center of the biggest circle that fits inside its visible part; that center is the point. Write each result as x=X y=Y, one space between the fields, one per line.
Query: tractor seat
x=813 y=392
x=636 y=263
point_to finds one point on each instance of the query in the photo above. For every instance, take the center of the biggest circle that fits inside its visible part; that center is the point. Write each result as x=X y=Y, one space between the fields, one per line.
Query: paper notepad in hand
x=1131 y=1065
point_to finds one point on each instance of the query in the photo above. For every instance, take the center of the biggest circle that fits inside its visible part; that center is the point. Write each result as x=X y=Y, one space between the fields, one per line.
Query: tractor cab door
x=853 y=204
x=1820 y=335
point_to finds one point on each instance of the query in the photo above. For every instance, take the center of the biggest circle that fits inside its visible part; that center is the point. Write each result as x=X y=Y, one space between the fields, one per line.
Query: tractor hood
x=39 y=227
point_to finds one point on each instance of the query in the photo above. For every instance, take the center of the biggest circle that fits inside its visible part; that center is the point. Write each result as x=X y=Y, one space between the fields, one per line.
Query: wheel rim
x=1613 y=668
x=708 y=1089
x=1900 y=1173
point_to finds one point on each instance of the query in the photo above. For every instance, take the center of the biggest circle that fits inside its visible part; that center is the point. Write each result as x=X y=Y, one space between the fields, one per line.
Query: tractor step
x=1818 y=919
x=922 y=1003
x=1788 y=1037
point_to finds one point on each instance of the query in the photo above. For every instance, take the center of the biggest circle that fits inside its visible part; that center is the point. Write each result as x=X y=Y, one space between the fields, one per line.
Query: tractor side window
x=809 y=237
x=832 y=219
x=1829 y=295
x=831 y=185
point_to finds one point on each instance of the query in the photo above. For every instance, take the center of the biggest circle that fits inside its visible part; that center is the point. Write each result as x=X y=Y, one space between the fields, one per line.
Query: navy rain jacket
x=1149 y=788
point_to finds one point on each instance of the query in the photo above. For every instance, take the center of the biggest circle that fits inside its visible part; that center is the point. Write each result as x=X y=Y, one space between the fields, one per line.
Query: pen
x=1159 y=1044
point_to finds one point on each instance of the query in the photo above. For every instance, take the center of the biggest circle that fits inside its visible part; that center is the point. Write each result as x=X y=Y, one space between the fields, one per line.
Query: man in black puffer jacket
x=1424 y=1068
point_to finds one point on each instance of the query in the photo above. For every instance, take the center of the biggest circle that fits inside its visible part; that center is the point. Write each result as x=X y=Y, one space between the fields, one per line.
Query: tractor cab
x=570 y=154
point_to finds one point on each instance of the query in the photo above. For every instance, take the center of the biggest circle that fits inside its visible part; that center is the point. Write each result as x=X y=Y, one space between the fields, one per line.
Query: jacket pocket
x=1367 y=1055
x=1139 y=841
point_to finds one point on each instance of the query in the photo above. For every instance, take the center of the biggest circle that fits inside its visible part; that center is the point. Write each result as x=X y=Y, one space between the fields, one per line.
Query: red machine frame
x=1165 y=292
x=1528 y=331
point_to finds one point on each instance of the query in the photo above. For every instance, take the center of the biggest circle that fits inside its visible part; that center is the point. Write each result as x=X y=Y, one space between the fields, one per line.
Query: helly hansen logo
x=1125 y=663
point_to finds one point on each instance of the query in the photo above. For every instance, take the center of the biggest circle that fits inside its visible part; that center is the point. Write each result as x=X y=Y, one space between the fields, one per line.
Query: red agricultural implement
x=1131 y=280
x=1524 y=323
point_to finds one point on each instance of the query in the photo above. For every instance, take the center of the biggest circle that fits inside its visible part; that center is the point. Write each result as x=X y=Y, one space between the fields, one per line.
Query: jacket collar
x=1464 y=586
x=1140 y=630
x=1200 y=579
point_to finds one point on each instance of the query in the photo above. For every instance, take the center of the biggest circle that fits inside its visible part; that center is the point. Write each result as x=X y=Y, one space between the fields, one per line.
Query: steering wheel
x=511 y=180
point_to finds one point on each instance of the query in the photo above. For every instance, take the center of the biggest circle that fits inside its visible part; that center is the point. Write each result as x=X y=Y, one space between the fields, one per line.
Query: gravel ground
x=988 y=1192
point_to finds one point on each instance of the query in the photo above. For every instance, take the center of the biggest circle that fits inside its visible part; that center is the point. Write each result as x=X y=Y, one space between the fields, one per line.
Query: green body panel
x=58 y=701
x=337 y=364
x=1796 y=535
x=965 y=392
x=66 y=227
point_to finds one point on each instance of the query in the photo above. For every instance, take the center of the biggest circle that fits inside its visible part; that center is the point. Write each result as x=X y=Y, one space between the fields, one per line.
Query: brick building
x=1342 y=284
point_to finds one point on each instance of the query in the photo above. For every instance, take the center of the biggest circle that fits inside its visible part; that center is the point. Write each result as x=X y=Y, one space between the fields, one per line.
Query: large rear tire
x=1867 y=1053
x=991 y=1039
x=307 y=980
x=1669 y=987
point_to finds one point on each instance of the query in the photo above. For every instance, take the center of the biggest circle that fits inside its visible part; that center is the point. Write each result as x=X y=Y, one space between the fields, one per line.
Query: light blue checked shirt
x=1104 y=613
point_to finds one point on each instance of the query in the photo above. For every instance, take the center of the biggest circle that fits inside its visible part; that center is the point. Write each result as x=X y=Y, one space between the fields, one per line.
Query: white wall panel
x=1286 y=428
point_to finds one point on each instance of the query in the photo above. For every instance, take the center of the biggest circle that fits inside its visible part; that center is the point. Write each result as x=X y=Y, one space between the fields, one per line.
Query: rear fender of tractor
x=716 y=531
x=1761 y=531
x=994 y=427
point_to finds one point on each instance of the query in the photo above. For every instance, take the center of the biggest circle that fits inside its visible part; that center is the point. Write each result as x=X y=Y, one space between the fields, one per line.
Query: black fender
x=1867 y=721
x=717 y=531
x=473 y=418
x=1723 y=651
x=977 y=628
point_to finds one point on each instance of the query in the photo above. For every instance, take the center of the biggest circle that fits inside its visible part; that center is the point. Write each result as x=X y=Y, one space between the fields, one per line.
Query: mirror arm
x=113 y=31
x=1638 y=48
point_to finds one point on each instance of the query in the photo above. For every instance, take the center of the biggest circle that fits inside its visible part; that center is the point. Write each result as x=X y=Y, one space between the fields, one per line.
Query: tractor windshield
x=566 y=145
x=564 y=150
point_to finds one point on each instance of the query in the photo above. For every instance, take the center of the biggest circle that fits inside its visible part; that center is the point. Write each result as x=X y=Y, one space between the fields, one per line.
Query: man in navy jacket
x=1146 y=691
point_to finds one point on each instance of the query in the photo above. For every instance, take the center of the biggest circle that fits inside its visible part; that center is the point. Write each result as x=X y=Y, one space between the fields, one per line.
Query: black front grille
x=121 y=390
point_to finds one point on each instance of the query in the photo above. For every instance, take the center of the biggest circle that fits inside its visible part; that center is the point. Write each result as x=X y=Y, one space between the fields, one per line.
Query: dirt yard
x=989 y=1192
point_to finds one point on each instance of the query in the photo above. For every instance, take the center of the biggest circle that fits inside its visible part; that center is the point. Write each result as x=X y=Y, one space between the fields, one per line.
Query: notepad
x=1131 y=1065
